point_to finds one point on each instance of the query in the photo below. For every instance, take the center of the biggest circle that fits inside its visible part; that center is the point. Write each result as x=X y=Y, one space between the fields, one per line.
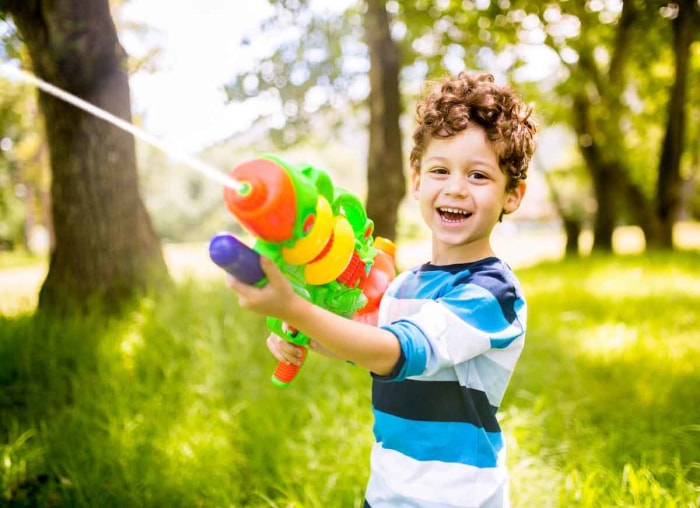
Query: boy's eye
x=438 y=171
x=478 y=176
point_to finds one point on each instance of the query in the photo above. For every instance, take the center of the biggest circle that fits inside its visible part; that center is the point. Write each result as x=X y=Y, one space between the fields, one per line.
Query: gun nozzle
x=244 y=188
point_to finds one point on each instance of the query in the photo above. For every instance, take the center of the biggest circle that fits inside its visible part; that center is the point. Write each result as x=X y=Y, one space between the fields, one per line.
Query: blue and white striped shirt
x=438 y=442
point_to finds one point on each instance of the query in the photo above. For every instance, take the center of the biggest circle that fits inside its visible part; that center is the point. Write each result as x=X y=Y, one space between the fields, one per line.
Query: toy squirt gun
x=317 y=234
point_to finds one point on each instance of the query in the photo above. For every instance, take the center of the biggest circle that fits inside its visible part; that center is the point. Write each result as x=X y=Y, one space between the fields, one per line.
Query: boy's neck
x=459 y=254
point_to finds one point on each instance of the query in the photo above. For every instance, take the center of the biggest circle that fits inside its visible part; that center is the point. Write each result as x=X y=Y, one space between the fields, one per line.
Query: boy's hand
x=272 y=299
x=284 y=351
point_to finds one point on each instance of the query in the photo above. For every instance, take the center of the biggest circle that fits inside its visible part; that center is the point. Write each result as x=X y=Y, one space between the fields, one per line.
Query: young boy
x=450 y=331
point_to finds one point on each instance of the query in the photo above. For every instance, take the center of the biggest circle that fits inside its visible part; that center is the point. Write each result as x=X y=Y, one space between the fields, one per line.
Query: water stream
x=14 y=74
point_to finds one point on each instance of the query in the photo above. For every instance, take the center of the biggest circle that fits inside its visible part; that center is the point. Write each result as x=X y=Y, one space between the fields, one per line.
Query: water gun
x=319 y=236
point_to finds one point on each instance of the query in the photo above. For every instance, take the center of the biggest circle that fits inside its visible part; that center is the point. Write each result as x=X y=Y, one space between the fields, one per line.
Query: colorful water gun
x=318 y=235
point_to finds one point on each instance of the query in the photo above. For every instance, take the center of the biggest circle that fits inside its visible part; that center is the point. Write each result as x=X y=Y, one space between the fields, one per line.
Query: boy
x=450 y=331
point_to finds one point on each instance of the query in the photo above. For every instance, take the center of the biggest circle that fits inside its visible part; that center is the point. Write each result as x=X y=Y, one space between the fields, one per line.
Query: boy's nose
x=456 y=186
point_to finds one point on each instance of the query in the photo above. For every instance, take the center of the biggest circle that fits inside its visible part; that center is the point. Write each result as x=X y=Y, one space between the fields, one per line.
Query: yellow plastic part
x=307 y=248
x=386 y=245
x=332 y=264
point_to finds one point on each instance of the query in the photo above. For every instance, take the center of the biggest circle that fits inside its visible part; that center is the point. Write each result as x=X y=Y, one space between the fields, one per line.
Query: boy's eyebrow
x=436 y=158
x=443 y=159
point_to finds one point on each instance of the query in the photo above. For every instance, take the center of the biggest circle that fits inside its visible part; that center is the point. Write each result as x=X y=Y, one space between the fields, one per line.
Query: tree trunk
x=571 y=221
x=613 y=183
x=606 y=195
x=105 y=247
x=386 y=182
x=572 y=229
x=642 y=209
x=602 y=176
x=669 y=180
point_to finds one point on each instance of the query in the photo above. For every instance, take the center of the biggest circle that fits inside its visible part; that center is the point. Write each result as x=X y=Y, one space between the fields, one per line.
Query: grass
x=603 y=407
x=171 y=405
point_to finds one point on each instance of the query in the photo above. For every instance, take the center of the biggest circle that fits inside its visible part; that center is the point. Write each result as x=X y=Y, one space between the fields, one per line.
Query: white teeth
x=454 y=210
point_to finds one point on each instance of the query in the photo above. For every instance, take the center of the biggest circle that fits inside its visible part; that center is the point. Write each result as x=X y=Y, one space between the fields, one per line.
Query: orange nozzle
x=266 y=206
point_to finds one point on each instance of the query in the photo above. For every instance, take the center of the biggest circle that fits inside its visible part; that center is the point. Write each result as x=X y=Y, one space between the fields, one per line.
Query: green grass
x=171 y=405
x=604 y=406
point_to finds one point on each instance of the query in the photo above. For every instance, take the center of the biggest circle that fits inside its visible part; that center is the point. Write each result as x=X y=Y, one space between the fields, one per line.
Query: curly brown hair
x=453 y=103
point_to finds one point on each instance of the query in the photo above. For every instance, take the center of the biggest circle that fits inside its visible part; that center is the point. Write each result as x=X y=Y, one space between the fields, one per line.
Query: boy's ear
x=515 y=197
x=415 y=183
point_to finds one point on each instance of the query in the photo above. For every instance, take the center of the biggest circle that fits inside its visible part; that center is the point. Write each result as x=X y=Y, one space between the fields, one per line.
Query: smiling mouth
x=453 y=214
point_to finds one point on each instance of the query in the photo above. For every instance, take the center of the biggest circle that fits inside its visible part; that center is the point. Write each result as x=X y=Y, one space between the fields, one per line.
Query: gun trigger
x=290 y=330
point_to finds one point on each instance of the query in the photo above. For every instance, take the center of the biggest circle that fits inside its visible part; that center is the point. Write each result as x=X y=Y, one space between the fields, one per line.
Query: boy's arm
x=376 y=349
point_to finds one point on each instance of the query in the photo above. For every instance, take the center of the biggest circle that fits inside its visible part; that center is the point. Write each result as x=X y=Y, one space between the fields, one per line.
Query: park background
x=163 y=398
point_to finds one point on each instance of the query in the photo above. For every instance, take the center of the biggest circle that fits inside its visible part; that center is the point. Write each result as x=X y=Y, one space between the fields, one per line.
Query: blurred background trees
x=615 y=73
x=610 y=81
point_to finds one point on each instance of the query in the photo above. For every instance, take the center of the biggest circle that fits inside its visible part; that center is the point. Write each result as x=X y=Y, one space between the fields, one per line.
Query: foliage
x=621 y=66
x=605 y=69
x=184 y=206
x=316 y=74
x=581 y=50
x=171 y=404
x=23 y=175
x=9 y=38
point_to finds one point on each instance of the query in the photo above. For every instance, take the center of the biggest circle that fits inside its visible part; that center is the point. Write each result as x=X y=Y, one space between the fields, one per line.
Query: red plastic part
x=268 y=207
x=355 y=274
x=381 y=273
x=286 y=372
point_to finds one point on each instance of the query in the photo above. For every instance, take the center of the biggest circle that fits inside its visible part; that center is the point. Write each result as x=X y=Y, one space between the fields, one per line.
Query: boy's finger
x=283 y=350
x=270 y=269
x=232 y=281
x=272 y=346
x=237 y=284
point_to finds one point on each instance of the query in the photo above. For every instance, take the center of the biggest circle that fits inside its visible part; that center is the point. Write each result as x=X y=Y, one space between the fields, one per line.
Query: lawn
x=171 y=404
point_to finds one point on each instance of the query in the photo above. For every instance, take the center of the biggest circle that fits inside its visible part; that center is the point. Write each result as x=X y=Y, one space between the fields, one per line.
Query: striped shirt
x=438 y=442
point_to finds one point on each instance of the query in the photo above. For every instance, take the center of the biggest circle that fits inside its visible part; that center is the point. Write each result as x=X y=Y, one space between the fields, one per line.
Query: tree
x=685 y=25
x=386 y=183
x=604 y=112
x=309 y=76
x=610 y=84
x=616 y=80
x=105 y=247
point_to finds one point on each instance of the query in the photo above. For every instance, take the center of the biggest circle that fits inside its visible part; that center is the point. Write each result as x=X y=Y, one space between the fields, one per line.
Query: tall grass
x=604 y=407
x=171 y=404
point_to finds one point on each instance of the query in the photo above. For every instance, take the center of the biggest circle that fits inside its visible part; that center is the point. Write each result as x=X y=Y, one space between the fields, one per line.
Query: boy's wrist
x=295 y=310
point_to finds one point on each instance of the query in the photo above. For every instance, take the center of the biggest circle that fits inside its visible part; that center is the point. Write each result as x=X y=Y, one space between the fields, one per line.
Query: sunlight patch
x=640 y=282
x=131 y=342
x=610 y=339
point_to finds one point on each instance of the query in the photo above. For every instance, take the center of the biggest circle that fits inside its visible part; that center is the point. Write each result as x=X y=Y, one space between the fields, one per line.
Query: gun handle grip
x=285 y=373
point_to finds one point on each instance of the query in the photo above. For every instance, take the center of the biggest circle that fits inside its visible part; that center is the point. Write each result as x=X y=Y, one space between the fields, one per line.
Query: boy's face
x=461 y=191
